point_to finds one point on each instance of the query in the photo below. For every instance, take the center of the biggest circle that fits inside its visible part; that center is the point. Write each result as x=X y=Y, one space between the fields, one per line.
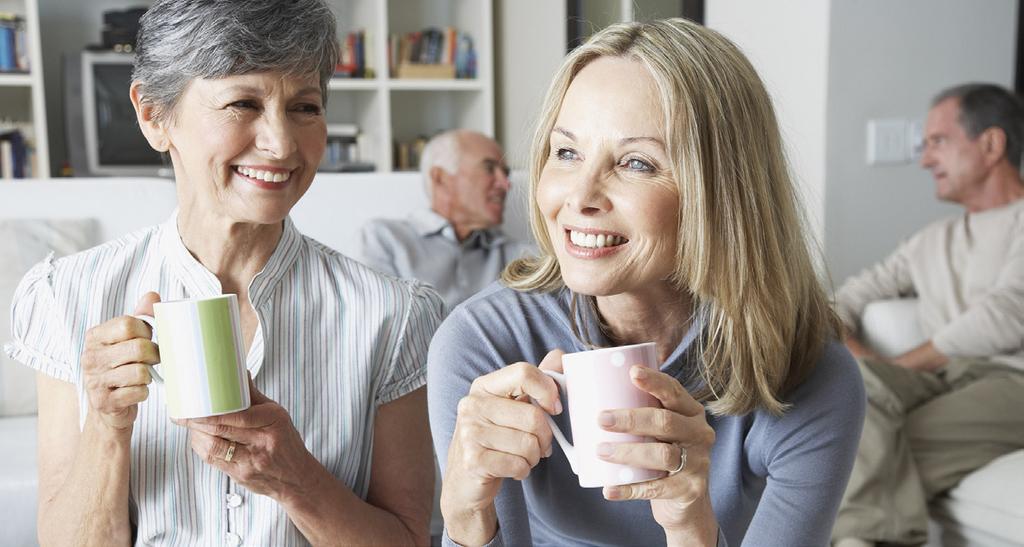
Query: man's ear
x=993 y=143
x=145 y=113
x=436 y=175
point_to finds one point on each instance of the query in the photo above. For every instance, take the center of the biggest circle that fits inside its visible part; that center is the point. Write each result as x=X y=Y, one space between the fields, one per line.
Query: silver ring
x=682 y=461
x=231 y=453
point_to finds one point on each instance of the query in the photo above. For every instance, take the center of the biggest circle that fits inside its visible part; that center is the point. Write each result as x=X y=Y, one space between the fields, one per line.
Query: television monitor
x=113 y=143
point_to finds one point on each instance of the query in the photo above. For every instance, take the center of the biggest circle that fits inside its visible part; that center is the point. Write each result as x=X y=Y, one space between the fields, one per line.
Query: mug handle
x=149 y=320
x=569 y=449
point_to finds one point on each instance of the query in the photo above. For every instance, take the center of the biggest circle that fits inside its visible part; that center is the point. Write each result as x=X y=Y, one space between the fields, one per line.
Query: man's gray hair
x=441 y=151
x=988 y=105
x=180 y=40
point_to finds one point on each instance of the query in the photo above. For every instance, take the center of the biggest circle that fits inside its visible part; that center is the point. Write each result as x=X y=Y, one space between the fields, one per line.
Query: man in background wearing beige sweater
x=952 y=404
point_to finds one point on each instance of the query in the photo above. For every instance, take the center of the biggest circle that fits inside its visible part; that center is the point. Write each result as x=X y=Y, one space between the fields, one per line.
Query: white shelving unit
x=21 y=95
x=388 y=109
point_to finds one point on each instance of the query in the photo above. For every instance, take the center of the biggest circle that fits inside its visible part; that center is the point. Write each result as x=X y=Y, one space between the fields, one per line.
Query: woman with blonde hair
x=664 y=211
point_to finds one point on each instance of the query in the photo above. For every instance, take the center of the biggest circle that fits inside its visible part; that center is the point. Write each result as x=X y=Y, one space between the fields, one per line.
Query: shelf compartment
x=417 y=113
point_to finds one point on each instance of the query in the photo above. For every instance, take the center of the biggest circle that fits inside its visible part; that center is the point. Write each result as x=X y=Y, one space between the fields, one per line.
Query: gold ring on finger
x=231 y=452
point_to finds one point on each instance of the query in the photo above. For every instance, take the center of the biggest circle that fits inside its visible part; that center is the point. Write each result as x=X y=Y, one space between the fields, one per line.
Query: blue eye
x=635 y=164
x=566 y=154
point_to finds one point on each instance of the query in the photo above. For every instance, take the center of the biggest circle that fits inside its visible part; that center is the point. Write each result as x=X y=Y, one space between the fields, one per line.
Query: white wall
x=530 y=41
x=887 y=60
x=787 y=42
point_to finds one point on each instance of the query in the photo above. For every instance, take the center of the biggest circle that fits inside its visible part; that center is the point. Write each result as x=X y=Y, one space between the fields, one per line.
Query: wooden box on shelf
x=426 y=71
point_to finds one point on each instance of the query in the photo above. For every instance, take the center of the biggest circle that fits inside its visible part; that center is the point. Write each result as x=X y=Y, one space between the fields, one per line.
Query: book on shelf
x=355 y=56
x=346 y=150
x=432 y=53
x=408 y=153
x=14 y=55
x=16 y=155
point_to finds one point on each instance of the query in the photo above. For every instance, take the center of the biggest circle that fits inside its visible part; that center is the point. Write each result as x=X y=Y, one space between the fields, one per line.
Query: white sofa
x=332 y=212
x=987 y=508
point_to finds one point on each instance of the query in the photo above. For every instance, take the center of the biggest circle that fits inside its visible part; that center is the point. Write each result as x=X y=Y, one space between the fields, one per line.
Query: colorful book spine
x=8 y=61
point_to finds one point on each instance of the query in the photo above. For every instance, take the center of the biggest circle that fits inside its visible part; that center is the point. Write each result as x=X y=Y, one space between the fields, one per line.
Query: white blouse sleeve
x=39 y=334
x=408 y=367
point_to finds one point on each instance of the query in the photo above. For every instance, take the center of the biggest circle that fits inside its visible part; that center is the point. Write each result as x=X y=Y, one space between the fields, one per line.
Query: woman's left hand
x=268 y=455
x=679 y=501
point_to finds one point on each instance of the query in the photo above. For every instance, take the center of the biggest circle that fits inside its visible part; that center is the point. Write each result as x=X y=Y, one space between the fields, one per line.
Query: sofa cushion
x=24 y=242
x=992 y=498
x=890 y=327
x=18 y=481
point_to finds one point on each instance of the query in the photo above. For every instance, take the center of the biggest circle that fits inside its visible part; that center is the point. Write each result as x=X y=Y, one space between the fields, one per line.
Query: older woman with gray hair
x=233 y=93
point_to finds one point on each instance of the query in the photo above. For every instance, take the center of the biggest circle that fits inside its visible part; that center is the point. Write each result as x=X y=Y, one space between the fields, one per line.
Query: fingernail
x=606 y=419
x=638 y=372
x=611 y=492
x=604 y=449
x=558 y=406
x=547 y=453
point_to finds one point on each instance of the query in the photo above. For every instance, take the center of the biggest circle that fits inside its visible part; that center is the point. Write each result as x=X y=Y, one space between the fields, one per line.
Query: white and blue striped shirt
x=336 y=340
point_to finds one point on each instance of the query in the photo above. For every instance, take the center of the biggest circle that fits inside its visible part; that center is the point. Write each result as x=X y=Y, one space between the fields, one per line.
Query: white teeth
x=266 y=176
x=593 y=241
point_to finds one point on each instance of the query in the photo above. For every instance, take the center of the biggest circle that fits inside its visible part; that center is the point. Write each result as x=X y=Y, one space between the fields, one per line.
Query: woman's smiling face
x=247 y=147
x=607 y=193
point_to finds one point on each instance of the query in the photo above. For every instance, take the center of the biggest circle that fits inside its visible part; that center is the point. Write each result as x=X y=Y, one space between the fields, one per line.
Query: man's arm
x=376 y=248
x=859 y=349
x=925 y=357
x=888 y=279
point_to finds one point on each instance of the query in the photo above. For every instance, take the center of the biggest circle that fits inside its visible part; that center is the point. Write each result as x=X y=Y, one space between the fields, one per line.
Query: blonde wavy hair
x=742 y=255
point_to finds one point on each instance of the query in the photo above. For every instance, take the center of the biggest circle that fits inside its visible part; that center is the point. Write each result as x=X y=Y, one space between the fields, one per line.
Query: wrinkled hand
x=114 y=365
x=499 y=434
x=679 y=499
x=269 y=457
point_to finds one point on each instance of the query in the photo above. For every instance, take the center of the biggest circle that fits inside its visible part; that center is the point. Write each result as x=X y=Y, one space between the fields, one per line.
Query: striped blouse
x=336 y=341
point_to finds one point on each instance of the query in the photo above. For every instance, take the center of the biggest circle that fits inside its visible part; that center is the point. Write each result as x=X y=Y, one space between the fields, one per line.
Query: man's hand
x=924 y=358
x=859 y=349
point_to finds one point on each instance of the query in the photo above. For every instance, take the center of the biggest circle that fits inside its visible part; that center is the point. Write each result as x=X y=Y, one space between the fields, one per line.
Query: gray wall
x=831 y=66
x=525 y=64
x=886 y=60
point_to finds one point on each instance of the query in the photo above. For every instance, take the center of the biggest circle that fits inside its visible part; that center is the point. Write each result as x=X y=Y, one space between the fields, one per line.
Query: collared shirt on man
x=424 y=246
x=336 y=341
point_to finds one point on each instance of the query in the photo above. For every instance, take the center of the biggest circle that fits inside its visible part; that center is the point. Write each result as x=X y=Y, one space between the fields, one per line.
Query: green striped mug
x=202 y=359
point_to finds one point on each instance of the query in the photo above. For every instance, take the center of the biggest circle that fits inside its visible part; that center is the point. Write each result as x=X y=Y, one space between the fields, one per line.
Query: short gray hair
x=988 y=105
x=441 y=151
x=180 y=40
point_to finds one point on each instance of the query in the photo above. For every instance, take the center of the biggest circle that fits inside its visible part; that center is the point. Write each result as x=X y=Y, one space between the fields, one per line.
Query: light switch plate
x=887 y=142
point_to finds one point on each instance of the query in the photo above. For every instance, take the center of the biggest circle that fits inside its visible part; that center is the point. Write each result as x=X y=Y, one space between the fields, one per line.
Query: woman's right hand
x=114 y=365
x=498 y=434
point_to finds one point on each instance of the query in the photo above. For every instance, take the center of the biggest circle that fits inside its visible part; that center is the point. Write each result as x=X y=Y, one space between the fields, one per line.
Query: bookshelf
x=22 y=102
x=388 y=109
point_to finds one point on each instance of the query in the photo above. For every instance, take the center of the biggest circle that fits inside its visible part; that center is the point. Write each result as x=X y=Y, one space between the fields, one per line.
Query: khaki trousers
x=923 y=433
